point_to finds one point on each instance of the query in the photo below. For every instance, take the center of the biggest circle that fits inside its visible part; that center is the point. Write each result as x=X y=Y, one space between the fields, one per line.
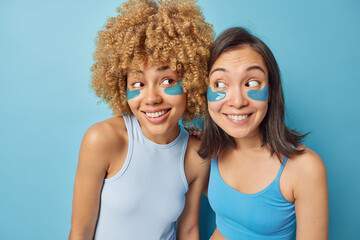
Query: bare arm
x=311 y=198
x=90 y=174
x=197 y=172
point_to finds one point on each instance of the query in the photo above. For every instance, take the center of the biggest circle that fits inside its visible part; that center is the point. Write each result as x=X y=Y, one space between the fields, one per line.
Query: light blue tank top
x=146 y=197
x=263 y=215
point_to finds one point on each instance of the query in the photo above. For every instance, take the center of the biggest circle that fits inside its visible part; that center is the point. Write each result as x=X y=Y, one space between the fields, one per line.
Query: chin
x=237 y=133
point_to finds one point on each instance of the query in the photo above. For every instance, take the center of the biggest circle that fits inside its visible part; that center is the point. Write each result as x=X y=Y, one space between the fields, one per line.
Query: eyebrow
x=163 y=68
x=254 y=67
x=218 y=69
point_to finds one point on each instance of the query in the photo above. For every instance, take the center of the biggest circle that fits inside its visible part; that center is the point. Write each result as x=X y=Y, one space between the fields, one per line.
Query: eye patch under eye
x=131 y=94
x=214 y=96
x=175 y=90
x=259 y=95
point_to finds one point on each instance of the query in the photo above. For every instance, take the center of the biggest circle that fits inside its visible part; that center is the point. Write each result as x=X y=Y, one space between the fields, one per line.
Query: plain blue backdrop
x=46 y=104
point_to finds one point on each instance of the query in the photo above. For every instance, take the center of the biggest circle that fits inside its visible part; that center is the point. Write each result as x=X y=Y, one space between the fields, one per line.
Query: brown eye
x=220 y=85
x=168 y=81
x=252 y=83
x=138 y=85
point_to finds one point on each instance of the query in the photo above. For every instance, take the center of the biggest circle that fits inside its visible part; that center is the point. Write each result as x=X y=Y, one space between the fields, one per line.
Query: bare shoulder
x=192 y=152
x=106 y=133
x=193 y=144
x=102 y=138
x=308 y=163
x=195 y=166
x=95 y=159
x=307 y=173
x=310 y=195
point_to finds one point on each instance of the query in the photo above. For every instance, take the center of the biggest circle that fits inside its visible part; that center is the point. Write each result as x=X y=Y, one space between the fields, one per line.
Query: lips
x=157 y=115
x=237 y=117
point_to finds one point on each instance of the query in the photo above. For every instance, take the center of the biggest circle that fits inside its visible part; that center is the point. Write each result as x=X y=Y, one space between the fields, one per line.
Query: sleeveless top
x=262 y=215
x=146 y=197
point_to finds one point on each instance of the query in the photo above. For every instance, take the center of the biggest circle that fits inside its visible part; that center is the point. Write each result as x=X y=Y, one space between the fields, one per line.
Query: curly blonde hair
x=172 y=32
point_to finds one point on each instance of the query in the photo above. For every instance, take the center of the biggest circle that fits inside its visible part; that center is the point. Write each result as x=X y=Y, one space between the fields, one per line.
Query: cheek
x=214 y=109
x=134 y=103
x=176 y=100
x=214 y=106
x=261 y=107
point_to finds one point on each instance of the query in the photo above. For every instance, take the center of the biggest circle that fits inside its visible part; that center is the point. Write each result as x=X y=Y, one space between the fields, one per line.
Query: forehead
x=239 y=59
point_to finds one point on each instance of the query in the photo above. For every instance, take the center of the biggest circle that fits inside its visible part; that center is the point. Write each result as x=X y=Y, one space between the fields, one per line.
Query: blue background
x=46 y=104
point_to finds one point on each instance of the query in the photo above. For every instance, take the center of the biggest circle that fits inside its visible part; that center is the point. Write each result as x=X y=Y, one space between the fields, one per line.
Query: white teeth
x=156 y=114
x=238 y=117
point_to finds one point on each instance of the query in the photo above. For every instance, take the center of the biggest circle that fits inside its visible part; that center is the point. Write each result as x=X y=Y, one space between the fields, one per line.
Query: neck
x=252 y=142
x=165 y=138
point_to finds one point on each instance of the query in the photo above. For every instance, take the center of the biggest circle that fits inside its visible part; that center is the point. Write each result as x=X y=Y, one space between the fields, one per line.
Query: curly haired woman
x=139 y=172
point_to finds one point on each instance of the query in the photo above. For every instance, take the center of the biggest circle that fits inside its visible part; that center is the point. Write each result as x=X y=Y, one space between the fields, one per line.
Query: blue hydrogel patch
x=214 y=96
x=259 y=95
x=131 y=94
x=175 y=90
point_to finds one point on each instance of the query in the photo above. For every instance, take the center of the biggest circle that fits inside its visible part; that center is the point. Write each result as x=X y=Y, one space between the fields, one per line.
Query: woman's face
x=238 y=94
x=157 y=100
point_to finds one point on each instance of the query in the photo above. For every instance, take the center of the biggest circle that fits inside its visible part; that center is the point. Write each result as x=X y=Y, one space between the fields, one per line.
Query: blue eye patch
x=175 y=90
x=259 y=95
x=214 y=96
x=131 y=94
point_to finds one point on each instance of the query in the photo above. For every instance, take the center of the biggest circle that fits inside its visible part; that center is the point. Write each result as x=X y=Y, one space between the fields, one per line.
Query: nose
x=152 y=96
x=237 y=99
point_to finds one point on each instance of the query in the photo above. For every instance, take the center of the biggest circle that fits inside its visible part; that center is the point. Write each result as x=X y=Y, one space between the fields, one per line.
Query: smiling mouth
x=238 y=117
x=156 y=114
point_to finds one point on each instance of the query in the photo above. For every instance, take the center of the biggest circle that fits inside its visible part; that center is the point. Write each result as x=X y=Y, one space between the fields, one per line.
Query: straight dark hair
x=275 y=134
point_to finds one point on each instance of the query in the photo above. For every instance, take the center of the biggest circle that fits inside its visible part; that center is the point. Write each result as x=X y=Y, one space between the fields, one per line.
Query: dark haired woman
x=263 y=183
